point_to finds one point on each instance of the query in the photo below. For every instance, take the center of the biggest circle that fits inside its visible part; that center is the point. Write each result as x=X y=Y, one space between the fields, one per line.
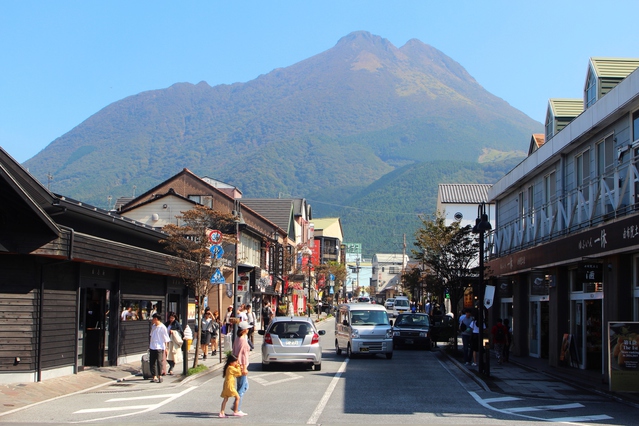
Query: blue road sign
x=331 y=277
x=216 y=251
x=217 y=277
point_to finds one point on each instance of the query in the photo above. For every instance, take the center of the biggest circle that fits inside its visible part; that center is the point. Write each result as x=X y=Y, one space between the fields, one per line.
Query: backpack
x=500 y=334
x=462 y=327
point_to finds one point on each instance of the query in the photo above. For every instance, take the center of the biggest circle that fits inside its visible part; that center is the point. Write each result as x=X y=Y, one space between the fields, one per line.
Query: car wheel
x=338 y=351
x=266 y=367
x=349 y=351
x=318 y=367
x=389 y=355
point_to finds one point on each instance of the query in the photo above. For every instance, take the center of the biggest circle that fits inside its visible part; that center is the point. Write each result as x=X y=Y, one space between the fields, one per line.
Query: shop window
x=132 y=309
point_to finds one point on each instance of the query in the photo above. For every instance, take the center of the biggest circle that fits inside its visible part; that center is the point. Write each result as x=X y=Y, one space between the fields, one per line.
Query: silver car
x=292 y=340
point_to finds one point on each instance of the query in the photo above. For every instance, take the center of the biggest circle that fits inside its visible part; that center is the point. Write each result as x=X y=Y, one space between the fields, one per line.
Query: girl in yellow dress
x=231 y=371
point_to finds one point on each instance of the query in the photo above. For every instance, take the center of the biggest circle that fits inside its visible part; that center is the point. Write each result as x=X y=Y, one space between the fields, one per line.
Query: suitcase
x=146 y=366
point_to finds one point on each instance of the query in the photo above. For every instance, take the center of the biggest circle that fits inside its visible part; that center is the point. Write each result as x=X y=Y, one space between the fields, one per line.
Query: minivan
x=363 y=328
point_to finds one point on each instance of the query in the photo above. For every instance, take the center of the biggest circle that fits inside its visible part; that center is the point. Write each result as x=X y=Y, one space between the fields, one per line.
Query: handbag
x=224 y=329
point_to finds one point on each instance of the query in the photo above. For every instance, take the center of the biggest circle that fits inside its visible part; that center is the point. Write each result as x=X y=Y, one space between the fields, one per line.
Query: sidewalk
x=533 y=377
x=14 y=397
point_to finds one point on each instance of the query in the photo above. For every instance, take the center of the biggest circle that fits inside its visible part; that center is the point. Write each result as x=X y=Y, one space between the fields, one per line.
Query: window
x=205 y=200
x=134 y=309
x=394 y=270
x=591 y=89
x=549 y=127
x=582 y=171
x=550 y=188
x=635 y=126
x=530 y=203
x=605 y=156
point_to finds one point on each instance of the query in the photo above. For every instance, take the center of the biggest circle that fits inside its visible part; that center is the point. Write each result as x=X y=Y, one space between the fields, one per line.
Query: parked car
x=291 y=340
x=389 y=303
x=363 y=329
x=412 y=330
x=364 y=299
x=400 y=305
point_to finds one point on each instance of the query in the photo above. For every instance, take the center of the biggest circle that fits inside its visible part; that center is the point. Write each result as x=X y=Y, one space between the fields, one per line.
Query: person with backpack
x=267 y=315
x=500 y=338
x=466 y=333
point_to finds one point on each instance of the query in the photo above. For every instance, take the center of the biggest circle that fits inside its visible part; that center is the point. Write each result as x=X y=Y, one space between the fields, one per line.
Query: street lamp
x=239 y=220
x=481 y=226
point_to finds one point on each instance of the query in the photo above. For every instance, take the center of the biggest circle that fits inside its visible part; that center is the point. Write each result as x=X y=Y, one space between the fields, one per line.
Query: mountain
x=325 y=128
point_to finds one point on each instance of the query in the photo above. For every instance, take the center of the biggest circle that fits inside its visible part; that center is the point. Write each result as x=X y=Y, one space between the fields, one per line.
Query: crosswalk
x=545 y=412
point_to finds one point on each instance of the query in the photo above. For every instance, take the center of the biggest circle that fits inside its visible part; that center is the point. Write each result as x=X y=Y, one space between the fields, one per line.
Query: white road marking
x=485 y=404
x=329 y=391
x=260 y=379
x=148 y=408
x=543 y=408
x=502 y=399
x=104 y=410
x=139 y=397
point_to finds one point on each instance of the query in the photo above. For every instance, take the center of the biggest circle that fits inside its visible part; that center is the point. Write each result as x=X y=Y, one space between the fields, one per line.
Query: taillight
x=315 y=339
x=267 y=339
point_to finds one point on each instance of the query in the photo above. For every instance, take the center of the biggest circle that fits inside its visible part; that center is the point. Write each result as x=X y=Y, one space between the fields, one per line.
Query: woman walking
x=242 y=350
x=207 y=332
x=175 y=353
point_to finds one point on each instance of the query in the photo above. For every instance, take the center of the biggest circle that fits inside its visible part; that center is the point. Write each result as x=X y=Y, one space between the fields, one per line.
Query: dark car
x=412 y=330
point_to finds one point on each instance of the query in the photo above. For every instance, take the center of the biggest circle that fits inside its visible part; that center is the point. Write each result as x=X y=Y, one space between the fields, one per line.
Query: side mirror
x=321 y=332
x=260 y=332
x=391 y=323
x=345 y=322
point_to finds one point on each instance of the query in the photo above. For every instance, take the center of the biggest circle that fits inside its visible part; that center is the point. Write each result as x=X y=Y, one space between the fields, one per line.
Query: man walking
x=500 y=337
x=466 y=334
x=157 y=347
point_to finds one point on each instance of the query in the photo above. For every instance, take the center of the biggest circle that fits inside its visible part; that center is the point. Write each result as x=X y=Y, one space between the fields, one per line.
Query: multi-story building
x=565 y=248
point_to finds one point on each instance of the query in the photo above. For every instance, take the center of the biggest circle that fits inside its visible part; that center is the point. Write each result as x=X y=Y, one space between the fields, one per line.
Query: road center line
x=327 y=395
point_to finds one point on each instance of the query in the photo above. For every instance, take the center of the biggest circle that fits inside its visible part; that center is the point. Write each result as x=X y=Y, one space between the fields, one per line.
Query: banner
x=623 y=358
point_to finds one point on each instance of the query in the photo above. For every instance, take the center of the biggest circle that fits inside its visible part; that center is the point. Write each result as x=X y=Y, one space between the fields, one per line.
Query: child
x=231 y=371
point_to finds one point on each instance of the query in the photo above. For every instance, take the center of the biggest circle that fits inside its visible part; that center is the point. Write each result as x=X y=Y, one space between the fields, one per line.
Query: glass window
x=591 y=89
x=549 y=127
x=135 y=309
x=550 y=188
x=635 y=126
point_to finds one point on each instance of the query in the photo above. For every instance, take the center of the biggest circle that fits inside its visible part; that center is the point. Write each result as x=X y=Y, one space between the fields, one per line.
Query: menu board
x=624 y=356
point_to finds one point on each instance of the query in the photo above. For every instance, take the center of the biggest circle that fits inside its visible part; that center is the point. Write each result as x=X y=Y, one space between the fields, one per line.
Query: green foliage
x=198 y=369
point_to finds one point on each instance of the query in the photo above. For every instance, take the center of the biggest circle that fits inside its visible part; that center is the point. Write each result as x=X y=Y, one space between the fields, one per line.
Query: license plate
x=291 y=343
x=363 y=349
x=408 y=341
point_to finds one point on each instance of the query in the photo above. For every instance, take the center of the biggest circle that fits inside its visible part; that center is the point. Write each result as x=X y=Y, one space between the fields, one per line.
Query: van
x=401 y=305
x=363 y=328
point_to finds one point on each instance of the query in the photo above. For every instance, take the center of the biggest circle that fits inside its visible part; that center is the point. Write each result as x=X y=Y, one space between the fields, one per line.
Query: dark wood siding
x=134 y=337
x=18 y=313
x=59 y=312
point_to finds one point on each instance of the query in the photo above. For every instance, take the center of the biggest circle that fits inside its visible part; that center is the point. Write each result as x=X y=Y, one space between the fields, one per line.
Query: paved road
x=414 y=387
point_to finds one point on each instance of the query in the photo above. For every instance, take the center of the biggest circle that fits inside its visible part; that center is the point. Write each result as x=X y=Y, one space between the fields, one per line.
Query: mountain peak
x=361 y=39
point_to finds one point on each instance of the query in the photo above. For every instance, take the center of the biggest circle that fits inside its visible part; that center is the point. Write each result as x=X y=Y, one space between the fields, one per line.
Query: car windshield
x=402 y=303
x=412 y=321
x=369 y=318
x=289 y=328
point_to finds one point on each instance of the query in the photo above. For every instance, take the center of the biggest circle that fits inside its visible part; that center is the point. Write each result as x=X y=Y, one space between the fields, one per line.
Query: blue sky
x=63 y=61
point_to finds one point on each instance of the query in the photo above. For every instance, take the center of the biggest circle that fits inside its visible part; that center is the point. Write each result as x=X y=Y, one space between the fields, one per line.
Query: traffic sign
x=217 y=277
x=215 y=237
x=216 y=251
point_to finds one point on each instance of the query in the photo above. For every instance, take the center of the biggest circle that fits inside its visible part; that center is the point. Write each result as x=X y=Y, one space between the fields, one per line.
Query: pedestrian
x=466 y=334
x=509 y=341
x=242 y=350
x=173 y=325
x=207 y=332
x=128 y=314
x=500 y=337
x=230 y=373
x=227 y=319
x=267 y=315
x=427 y=308
x=157 y=347
x=216 y=332
x=475 y=340
x=241 y=313
x=251 y=320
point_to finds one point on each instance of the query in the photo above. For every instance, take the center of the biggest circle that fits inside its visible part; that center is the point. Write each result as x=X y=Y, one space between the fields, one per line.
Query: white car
x=364 y=299
x=401 y=305
x=389 y=303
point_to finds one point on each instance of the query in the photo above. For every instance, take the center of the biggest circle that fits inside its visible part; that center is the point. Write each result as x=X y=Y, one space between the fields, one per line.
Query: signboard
x=590 y=272
x=353 y=248
x=217 y=277
x=215 y=237
x=216 y=251
x=623 y=358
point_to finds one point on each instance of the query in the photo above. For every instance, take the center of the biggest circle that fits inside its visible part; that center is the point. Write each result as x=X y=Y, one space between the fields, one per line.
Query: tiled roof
x=460 y=193
x=539 y=139
x=277 y=210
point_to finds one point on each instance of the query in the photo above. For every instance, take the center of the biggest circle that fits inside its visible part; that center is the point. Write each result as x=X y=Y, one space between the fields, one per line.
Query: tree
x=192 y=256
x=449 y=252
x=336 y=269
